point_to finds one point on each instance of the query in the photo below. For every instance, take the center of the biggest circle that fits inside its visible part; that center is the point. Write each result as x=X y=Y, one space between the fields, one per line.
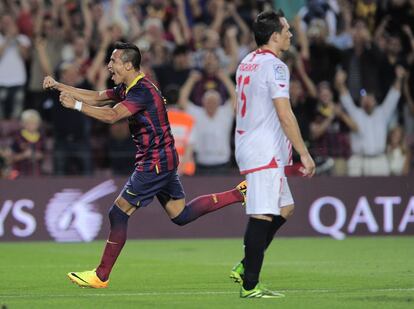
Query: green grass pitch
x=312 y=272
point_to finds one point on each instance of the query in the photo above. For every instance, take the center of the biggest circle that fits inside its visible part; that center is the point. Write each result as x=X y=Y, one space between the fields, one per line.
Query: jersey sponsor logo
x=72 y=215
x=280 y=72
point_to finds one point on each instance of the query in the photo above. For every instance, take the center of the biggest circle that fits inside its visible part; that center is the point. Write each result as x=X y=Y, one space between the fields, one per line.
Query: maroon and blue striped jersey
x=148 y=124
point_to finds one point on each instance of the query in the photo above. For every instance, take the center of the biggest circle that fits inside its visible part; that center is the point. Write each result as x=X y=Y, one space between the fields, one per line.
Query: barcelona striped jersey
x=148 y=124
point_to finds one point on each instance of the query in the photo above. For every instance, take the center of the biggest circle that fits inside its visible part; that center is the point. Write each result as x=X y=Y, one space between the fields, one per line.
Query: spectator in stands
x=71 y=130
x=361 y=61
x=211 y=39
x=209 y=80
x=367 y=11
x=394 y=56
x=6 y=171
x=78 y=53
x=398 y=152
x=409 y=109
x=120 y=148
x=172 y=76
x=324 y=57
x=182 y=127
x=324 y=10
x=330 y=130
x=29 y=145
x=343 y=37
x=48 y=39
x=14 y=51
x=213 y=124
x=368 y=144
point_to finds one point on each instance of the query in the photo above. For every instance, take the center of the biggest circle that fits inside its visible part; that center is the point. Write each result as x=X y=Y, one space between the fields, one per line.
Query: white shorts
x=267 y=191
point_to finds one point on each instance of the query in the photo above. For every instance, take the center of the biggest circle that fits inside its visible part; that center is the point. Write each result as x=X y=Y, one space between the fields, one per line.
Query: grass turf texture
x=312 y=272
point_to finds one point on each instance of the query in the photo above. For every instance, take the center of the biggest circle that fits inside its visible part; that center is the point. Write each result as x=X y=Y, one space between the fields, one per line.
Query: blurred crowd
x=351 y=88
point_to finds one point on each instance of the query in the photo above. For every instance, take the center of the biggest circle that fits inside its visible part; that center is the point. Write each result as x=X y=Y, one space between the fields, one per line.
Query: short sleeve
x=115 y=93
x=135 y=100
x=277 y=78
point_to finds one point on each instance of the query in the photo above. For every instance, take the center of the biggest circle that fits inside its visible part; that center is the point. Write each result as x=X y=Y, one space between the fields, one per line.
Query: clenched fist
x=67 y=100
x=49 y=83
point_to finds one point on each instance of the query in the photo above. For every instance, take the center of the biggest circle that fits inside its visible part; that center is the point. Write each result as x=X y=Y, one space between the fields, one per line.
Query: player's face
x=116 y=67
x=285 y=35
x=368 y=103
x=324 y=93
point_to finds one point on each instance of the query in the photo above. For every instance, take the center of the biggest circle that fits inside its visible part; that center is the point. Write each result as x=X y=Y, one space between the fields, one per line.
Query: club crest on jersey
x=280 y=72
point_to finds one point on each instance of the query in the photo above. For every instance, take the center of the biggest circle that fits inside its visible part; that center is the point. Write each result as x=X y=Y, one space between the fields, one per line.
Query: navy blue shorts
x=141 y=188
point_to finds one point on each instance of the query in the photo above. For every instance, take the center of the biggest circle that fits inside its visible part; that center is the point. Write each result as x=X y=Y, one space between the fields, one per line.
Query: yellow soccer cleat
x=88 y=279
x=242 y=187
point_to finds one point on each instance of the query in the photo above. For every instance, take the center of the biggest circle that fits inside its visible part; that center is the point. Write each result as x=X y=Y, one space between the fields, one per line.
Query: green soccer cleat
x=87 y=279
x=237 y=273
x=259 y=292
x=242 y=187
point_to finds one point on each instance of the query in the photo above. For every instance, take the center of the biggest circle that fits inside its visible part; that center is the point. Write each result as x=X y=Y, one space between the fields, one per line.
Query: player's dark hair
x=266 y=24
x=130 y=53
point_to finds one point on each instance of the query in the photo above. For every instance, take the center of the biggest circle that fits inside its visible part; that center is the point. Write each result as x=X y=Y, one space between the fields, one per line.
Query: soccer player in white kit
x=266 y=129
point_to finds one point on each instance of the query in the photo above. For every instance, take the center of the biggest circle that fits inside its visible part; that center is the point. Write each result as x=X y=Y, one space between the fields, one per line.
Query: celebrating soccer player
x=156 y=160
x=266 y=128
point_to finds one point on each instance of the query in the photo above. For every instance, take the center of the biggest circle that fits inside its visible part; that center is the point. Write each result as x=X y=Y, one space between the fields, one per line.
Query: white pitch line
x=204 y=293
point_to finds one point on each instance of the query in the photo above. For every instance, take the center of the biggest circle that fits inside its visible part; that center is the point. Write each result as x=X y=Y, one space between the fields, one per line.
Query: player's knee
x=182 y=218
x=117 y=216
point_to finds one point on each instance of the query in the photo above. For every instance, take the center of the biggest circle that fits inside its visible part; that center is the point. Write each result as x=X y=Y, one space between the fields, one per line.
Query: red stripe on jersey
x=155 y=153
x=241 y=132
x=133 y=107
x=164 y=123
x=139 y=157
x=111 y=94
x=272 y=164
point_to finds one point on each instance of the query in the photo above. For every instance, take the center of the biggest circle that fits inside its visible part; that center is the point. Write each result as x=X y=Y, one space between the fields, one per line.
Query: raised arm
x=307 y=81
x=186 y=89
x=341 y=114
x=40 y=45
x=393 y=96
x=291 y=129
x=90 y=97
x=407 y=93
x=87 y=20
x=345 y=96
x=302 y=38
x=229 y=86
x=318 y=129
x=231 y=37
x=182 y=20
x=99 y=59
x=245 y=31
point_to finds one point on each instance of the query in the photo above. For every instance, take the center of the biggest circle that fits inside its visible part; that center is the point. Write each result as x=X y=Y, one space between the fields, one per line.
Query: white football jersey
x=260 y=140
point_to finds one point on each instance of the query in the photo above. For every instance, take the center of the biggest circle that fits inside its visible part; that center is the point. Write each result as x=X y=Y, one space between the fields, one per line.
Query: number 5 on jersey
x=242 y=81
